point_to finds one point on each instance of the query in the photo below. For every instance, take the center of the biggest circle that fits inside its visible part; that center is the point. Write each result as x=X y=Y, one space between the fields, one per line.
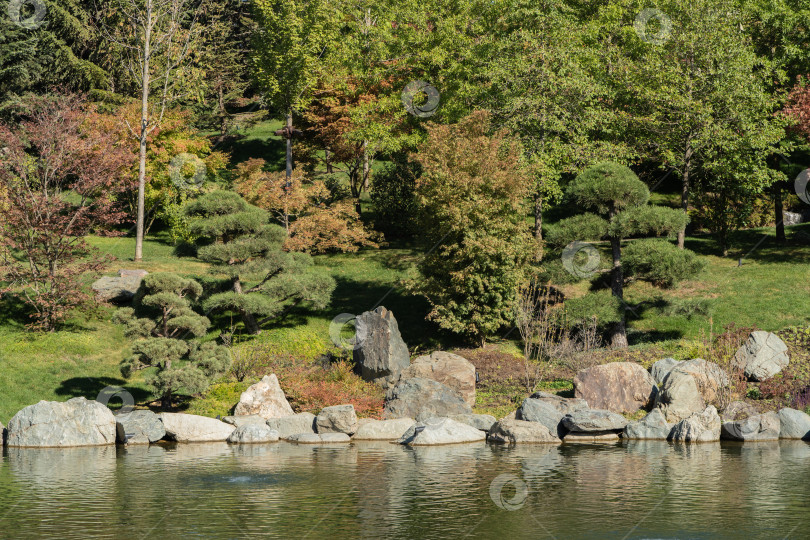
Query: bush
x=600 y=306
x=660 y=262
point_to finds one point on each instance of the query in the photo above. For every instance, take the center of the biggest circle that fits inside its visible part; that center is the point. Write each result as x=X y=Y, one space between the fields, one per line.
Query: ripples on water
x=382 y=490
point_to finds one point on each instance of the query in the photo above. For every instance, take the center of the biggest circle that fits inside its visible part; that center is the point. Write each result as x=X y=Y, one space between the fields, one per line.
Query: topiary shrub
x=660 y=262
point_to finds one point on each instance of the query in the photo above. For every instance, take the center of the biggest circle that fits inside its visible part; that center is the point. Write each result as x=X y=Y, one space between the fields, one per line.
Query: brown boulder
x=447 y=368
x=621 y=387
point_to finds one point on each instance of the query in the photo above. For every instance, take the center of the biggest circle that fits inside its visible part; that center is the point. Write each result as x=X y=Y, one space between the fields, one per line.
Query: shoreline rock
x=265 y=399
x=293 y=424
x=521 y=432
x=619 y=387
x=183 y=427
x=439 y=431
x=380 y=353
x=447 y=368
x=336 y=419
x=422 y=399
x=75 y=422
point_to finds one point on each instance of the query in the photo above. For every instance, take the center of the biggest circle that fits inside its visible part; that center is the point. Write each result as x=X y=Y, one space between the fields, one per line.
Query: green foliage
x=660 y=262
x=582 y=227
x=648 y=220
x=263 y=280
x=600 y=306
x=472 y=196
x=394 y=201
x=164 y=325
x=608 y=188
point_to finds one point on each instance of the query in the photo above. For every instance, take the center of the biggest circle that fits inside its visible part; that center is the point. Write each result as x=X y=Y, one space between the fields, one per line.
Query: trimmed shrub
x=658 y=261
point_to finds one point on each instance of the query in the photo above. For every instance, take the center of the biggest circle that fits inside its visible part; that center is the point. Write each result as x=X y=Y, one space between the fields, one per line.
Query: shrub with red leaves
x=60 y=169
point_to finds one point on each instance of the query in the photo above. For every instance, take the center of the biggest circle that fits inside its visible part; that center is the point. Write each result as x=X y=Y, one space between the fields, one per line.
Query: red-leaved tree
x=61 y=166
x=798 y=107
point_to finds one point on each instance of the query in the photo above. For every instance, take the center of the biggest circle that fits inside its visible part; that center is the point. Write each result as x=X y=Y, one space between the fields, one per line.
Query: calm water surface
x=381 y=490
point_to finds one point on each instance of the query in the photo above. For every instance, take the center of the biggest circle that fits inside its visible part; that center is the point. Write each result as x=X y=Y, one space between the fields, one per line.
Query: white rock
x=441 y=431
x=192 y=428
x=265 y=398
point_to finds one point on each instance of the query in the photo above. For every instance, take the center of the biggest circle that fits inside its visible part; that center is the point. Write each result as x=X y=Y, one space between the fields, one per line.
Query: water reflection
x=376 y=489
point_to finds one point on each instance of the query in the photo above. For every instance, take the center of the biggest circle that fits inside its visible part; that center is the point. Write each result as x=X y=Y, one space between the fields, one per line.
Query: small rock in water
x=139 y=427
x=521 y=431
x=253 y=433
x=293 y=424
x=336 y=419
x=382 y=430
x=654 y=426
x=433 y=431
x=594 y=420
x=761 y=427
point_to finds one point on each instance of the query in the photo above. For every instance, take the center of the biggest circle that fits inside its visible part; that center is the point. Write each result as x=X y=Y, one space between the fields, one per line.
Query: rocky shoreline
x=429 y=402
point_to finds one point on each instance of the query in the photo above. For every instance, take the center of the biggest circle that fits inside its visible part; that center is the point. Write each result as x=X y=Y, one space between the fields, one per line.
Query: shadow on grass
x=89 y=387
x=272 y=150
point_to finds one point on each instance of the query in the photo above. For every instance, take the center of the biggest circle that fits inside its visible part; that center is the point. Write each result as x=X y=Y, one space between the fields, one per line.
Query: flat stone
x=294 y=424
x=336 y=419
x=319 y=438
x=435 y=431
x=132 y=273
x=698 y=427
x=654 y=426
x=484 y=422
x=661 y=369
x=564 y=405
x=593 y=420
x=422 y=399
x=447 y=368
x=265 y=398
x=794 y=424
x=75 y=422
x=253 y=433
x=762 y=356
x=620 y=387
x=521 y=431
x=380 y=352
x=382 y=430
x=117 y=289
x=244 y=419
x=591 y=437
x=139 y=427
x=761 y=427
x=182 y=427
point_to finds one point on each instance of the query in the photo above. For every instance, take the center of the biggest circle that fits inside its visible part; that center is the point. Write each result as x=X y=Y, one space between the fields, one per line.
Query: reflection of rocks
x=53 y=468
x=319 y=438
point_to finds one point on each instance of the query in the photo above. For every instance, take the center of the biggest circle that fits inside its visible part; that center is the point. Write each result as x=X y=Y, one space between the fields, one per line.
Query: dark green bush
x=660 y=262
x=392 y=193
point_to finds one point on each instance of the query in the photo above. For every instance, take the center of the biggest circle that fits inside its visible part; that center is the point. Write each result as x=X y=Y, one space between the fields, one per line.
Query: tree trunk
x=618 y=338
x=687 y=171
x=538 y=224
x=223 y=115
x=288 y=187
x=143 y=134
x=779 y=216
x=366 y=171
x=328 y=160
x=250 y=321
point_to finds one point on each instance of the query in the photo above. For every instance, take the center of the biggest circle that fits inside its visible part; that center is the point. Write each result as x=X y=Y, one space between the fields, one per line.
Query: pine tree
x=164 y=326
x=619 y=210
x=263 y=280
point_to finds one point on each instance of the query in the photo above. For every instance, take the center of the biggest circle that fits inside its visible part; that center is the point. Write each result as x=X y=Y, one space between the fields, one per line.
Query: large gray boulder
x=738 y=410
x=139 y=427
x=760 y=427
x=423 y=398
x=244 y=419
x=253 y=433
x=542 y=412
x=265 y=398
x=319 y=438
x=654 y=426
x=182 y=427
x=762 y=356
x=380 y=352
x=484 y=422
x=293 y=424
x=679 y=396
x=434 y=431
x=521 y=431
x=620 y=387
x=698 y=427
x=661 y=369
x=794 y=424
x=121 y=288
x=336 y=419
x=75 y=422
x=382 y=430
x=591 y=420
x=564 y=405
x=447 y=368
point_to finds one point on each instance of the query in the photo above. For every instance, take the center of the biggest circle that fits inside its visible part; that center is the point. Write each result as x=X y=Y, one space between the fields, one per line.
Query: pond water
x=381 y=490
